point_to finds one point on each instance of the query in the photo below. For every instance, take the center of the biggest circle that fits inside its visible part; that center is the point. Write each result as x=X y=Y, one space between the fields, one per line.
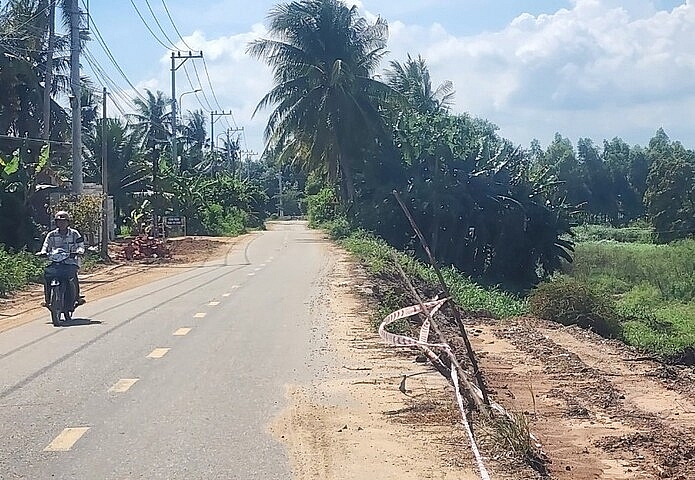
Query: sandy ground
x=600 y=410
x=355 y=423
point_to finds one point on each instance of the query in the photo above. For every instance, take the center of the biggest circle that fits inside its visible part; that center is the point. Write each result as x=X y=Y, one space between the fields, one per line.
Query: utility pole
x=104 y=182
x=282 y=213
x=76 y=91
x=214 y=113
x=177 y=59
x=229 y=152
x=48 y=79
x=248 y=154
x=212 y=124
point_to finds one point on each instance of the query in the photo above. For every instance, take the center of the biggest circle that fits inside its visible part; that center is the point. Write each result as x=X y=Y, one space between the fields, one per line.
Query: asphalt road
x=177 y=379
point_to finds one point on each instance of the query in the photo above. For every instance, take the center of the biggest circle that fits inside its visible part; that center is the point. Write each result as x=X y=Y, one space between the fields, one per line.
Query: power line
x=37 y=140
x=102 y=43
x=200 y=87
x=168 y=47
x=154 y=15
x=106 y=80
x=174 y=25
x=207 y=73
x=197 y=76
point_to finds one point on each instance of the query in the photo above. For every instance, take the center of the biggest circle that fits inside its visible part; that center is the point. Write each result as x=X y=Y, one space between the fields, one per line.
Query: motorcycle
x=62 y=297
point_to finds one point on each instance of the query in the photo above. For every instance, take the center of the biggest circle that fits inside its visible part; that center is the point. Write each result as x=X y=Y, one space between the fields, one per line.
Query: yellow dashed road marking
x=200 y=315
x=123 y=385
x=213 y=304
x=66 y=439
x=158 y=352
x=182 y=331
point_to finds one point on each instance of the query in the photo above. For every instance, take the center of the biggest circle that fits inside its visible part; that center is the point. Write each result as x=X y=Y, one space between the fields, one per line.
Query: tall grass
x=653 y=287
x=631 y=234
x=378 y=257
x=616 y=267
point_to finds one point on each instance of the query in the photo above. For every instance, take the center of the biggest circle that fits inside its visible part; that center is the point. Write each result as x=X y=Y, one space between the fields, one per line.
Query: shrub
x=323 y=207
x=218 y=221
x=86 y=214
x=570 y=302
x=18 y=269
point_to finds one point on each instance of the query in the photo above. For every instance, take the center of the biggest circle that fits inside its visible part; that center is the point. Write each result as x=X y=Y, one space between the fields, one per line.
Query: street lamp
x=186 y=93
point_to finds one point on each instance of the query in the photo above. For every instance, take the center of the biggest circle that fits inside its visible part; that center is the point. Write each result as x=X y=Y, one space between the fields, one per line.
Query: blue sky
x=584 y=68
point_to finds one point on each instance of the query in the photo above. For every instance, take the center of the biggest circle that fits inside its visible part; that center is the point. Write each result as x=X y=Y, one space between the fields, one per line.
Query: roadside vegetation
x=651 y=288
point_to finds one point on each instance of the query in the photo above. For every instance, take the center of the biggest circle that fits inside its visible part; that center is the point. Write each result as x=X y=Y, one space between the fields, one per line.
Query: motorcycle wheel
x=56 y=305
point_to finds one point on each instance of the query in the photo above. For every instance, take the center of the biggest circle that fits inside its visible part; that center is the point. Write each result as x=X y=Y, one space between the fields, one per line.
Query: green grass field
x=653 y=287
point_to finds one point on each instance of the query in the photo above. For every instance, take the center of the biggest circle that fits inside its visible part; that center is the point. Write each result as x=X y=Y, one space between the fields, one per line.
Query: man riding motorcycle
x=70 y=240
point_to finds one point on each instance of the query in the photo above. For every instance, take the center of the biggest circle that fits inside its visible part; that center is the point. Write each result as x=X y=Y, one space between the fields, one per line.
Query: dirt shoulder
x=354 y=422
x=106 y=280
x=598 y=408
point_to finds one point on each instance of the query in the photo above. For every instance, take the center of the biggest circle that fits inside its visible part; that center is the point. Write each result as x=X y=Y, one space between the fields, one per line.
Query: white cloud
x=598 y=69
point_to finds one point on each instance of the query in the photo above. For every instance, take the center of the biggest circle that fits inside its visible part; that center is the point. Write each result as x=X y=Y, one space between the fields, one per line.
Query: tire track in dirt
x=597 y=414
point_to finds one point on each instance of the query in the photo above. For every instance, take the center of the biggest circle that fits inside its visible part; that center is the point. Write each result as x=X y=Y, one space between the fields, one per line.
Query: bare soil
x=599 y=408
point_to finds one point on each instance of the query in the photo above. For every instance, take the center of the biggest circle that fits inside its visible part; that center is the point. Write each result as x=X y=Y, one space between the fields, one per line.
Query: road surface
x=177 y=379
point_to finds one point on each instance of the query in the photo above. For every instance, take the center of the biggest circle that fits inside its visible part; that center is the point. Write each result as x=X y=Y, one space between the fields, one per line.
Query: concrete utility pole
x=104 y=182
x=282 y=213
x=212 y=134
x=48 y=79
x=212 y=124
x=76 y=103
x=181 y=59
x=248 y=154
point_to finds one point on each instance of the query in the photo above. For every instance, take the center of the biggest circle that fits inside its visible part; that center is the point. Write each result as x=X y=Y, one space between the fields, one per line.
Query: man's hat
x=62 y=215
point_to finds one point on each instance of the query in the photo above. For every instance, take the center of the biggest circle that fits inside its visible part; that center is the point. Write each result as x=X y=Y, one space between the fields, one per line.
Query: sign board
x=174 y=226
x=173 y=221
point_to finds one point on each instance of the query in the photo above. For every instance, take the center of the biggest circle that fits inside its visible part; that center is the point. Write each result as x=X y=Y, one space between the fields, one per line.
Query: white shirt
x=71 y=242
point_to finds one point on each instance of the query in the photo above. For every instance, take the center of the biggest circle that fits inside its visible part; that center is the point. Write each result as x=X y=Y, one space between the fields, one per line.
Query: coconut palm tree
x=412 y=80
x=152 y=121
x=326 y=103
x=194 y=140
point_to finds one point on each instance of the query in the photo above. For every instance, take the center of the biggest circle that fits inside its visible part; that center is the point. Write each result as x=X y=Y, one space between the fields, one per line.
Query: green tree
x=412 y=80
x=152 y=121
x=194 y=140
x=670 y=194
x=326 y=103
